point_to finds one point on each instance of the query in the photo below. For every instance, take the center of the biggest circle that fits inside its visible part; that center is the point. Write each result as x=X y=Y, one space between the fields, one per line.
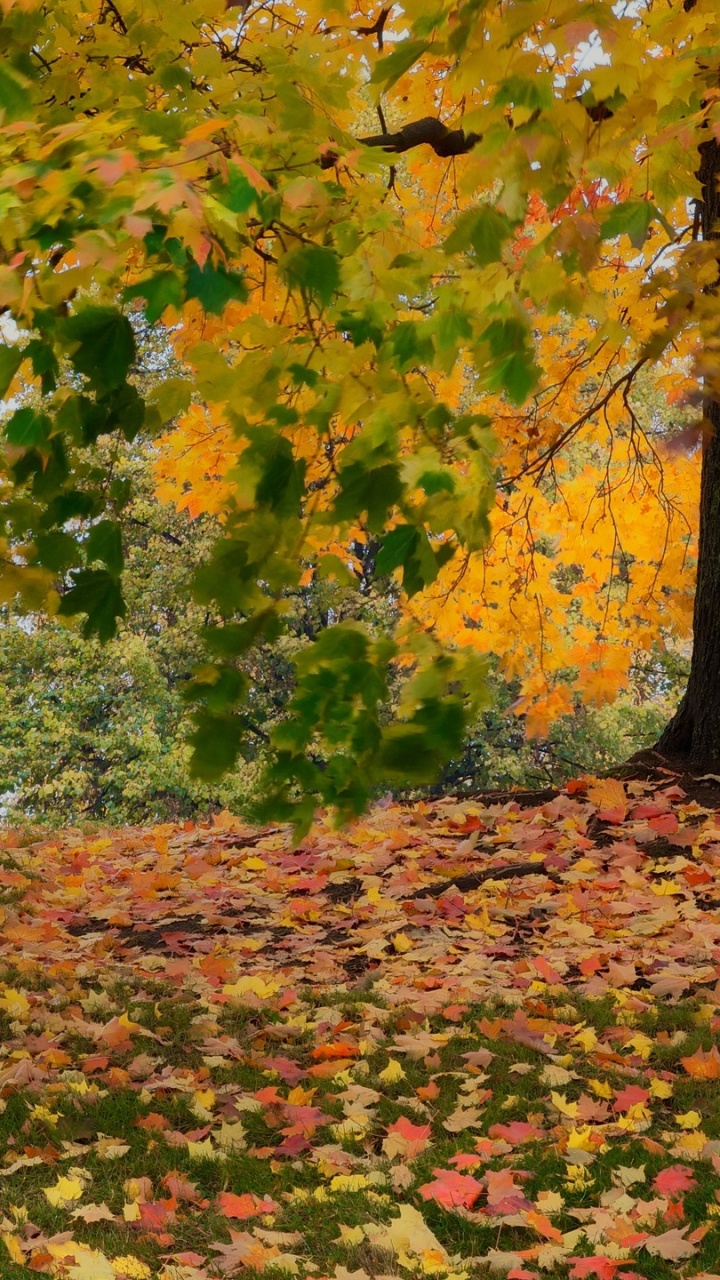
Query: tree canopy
x=404 y=257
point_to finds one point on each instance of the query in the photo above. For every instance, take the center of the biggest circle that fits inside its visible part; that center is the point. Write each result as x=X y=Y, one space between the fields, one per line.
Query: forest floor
x=463 y=1037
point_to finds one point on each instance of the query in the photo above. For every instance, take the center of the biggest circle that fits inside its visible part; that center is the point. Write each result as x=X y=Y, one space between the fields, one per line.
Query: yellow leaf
x=586 y=1039
x=601 y=1088
x=253 y=986
x=131 y=1267
x=666 y=888
x=80 y=1262
x=392 y=1073
x=65 y=1192
x=13 y=1248
x=204 y=1151
x=690 y=1146
x=409 y=1233
x=690 y=1120
x=231 y=1136
x=641 y=1044
x=660 y=1088
x=582 y=1139
x=564 y=1107
x=356 y=1235
x=349 y=1182
x=402 y=943
x=203 y=1102
x=14 y=1003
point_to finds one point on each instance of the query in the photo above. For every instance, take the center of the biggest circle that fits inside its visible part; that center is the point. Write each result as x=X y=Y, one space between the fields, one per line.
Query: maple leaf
x=602 y=1267
x=451 y=1188
x=243 y=1251
x=703 y=1066
x=406 y=1139
x=671 y=1245
x=65 y=1191
x=119 y=1031
x=517 y=1132
x=675 y=1180
x=330 y=1051
x=245 y=1205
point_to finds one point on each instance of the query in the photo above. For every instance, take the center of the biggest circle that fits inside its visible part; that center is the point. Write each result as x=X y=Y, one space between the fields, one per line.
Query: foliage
x=94 y=733
x=226 y=1056
x=497 y=752
x=371 y=356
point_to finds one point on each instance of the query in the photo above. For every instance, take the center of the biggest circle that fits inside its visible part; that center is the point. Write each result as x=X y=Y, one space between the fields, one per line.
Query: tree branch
x=160 y=533
x=476 y=878
x=377 y=27
x=444 y=142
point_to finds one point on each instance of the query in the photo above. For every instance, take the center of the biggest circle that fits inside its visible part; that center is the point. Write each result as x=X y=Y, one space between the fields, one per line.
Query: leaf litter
x=461 y=1037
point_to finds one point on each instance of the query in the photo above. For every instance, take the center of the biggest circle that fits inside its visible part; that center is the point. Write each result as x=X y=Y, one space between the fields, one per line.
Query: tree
x=217 y=168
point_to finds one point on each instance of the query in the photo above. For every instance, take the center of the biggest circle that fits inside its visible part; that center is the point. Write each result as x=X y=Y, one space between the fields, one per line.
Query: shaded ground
x=463 y=1035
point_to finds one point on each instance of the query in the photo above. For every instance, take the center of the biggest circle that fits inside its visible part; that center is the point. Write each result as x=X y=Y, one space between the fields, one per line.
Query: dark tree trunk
x=693 y=734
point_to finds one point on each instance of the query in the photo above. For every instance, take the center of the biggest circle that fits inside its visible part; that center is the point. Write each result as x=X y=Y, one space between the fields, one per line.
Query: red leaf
x=451 y=1188
x=674 y=1180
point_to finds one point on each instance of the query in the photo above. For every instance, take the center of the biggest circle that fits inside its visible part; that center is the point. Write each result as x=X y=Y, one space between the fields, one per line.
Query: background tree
x=214 y=168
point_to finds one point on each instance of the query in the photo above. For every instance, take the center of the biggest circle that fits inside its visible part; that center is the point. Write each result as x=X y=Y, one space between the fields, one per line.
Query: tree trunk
x=693 y=734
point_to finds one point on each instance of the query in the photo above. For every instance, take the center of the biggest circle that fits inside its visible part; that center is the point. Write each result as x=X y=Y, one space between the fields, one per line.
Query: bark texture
x=694 y=732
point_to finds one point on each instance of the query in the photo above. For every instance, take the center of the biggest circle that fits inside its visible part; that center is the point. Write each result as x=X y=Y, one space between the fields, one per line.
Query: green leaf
x=373 y=491
x=216 y=744
x=633 y=219
x=44 y=363
x=484 y=229
x=235 y=638
x=412 y=344
x=408 y=546
x=225 y=577
x=214 y=287
x=14 y=99
x=360 y=328
x=97 y=593
x=392 y=67
x=27 y=427
x=489 y=232
x=102 y=345
x=10 y=360
x=415 y=751
x=331 y=566
x=164 y=289
x=217 y=687
x=315 y=269
x=237 y=194
x=282 y=485
x=396 y=546
x=436 y=482
x=105 y=543
x=534 y=91
x=513 y=369
x=57 y=551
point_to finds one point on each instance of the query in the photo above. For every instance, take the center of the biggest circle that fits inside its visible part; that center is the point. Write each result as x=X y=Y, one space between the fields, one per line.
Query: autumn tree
x=356 y=226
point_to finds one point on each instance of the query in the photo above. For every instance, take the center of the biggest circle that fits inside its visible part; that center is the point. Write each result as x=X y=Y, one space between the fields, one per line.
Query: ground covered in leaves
x=462 y=1038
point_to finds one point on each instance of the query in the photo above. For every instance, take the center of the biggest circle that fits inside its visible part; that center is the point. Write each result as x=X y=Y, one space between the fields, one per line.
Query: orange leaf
x=324 y=1070
x=703 y=1066
x=543 y=1226
x=244 y=1206
x=340 y=1050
